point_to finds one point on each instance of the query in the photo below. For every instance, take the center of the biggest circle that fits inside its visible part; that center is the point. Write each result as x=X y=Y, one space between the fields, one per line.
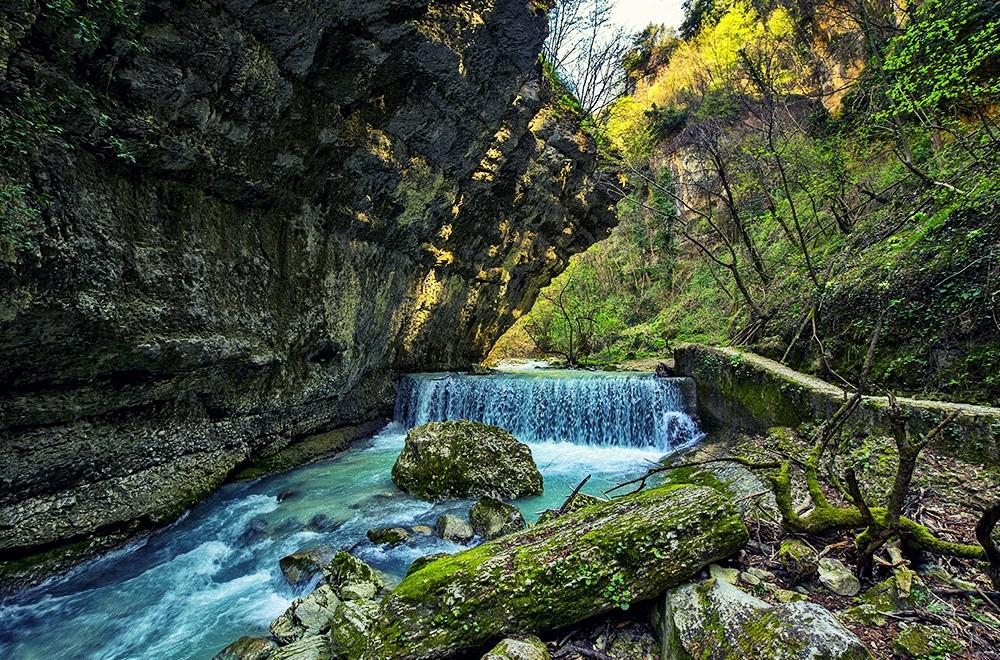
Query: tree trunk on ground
x=553 y=575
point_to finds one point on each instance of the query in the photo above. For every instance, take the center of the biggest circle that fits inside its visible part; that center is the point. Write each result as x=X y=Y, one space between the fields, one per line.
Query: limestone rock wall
x=230 y=224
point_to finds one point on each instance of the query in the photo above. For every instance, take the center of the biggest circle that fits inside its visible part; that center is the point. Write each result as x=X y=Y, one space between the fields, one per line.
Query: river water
x=189 y=589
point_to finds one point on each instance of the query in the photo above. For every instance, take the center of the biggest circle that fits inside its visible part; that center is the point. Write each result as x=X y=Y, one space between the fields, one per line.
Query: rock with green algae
x=388 y=536
x=456 y=459
x=713 y=620
x=798 y=559
x=349 y=628
x=556 y=574
x=248 y=648
x=301 y=566
x=346 y=569
x=307 y=616
x=883 y=599
x=579 y=501
x=491 y=518
x=521 y=648
x=926 y=642
x=420 y=562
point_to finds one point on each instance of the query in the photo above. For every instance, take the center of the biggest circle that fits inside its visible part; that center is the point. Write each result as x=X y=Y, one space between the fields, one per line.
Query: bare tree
x=586 y=48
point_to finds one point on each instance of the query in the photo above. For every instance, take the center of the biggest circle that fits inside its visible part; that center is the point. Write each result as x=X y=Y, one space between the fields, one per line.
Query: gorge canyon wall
x=229 y=225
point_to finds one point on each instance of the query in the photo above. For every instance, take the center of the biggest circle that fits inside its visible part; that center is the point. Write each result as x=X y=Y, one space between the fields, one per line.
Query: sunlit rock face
x=252 y=217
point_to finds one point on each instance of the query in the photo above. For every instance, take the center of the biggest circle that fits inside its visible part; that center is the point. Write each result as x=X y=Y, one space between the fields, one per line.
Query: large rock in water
x=553 y=575
x=238 y=222
x=465 y=459
x=714 y=620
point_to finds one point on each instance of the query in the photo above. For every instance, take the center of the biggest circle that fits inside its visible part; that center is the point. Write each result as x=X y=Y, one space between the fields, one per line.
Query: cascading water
x=187 y=590
x=582 y=408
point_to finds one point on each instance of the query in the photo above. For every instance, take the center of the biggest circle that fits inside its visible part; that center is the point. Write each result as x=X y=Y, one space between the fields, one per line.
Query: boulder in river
x=714 y=620
x=346 y=570
x=301 y=566
x=388 y=535
x=554 y=575
x=491 y=518
x=453 y=528
x=443 y=460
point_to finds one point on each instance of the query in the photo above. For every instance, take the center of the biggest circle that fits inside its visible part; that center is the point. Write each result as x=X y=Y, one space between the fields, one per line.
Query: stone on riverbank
x=442 y=460
x=549 y=576
x=306 y=617
x=248 y=648
x=300 y=567
x=348 y=575
x=491 y=518
x=714 y=620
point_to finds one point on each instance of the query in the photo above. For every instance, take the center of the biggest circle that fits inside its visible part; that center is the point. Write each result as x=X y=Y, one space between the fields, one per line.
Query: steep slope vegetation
x=228 y=225
x=803 y=173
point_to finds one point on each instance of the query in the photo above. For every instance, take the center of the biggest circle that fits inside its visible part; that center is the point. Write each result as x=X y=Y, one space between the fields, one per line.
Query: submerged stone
x=550 y=576
x=443 y=460
x=491 y=518
x=388 y=535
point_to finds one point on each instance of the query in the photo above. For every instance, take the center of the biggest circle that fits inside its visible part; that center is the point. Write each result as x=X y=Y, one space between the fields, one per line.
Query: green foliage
x=19 y=220
x=947 y=57
x=92 y=21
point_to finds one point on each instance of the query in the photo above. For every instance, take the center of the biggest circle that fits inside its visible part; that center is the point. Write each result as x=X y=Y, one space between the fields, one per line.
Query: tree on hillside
x=586 y=48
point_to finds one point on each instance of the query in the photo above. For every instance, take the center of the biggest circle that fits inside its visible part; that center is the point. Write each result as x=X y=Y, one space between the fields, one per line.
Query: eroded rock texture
x=230 y=224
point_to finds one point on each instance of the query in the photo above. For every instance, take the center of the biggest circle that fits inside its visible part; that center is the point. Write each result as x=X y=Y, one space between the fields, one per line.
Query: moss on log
x=591 y=561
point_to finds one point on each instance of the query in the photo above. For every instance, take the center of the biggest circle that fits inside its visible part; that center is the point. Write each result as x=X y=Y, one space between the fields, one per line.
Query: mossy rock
x=346 y=569
x=714 y=620
x=458 y=459
x=798 y=559
x=926 y=642
x=301 y=566
x=579 y=501
x=525 y=648
x=557 y=574
x=388 y=536
x=349 y=628
x=490 y=518
x=420 y=562
x=315 y=647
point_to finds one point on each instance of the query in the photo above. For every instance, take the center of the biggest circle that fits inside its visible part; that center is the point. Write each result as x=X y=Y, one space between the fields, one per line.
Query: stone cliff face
x=229 y=224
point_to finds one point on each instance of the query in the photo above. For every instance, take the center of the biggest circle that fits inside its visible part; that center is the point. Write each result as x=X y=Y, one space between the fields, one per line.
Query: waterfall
x=627 y=410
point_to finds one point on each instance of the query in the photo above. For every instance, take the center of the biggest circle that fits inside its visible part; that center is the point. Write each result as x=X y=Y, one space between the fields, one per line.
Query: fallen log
x=556 y=574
